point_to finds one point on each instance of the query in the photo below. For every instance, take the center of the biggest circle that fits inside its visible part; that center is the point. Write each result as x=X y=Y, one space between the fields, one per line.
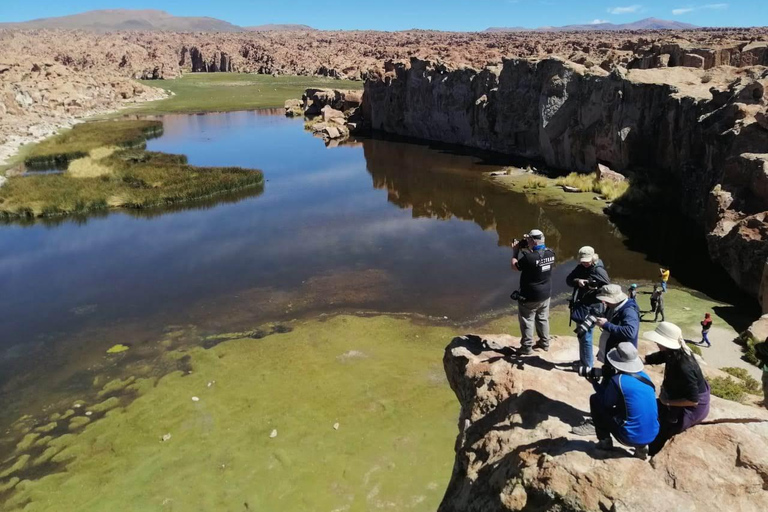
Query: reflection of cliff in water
x=440 y=184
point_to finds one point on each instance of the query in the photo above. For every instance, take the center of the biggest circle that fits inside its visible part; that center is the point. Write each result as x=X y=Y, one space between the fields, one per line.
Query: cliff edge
x=515 y=451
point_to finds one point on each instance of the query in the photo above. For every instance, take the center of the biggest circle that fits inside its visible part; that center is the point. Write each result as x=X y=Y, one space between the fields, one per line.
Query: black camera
x=516 y=296
x=589 y=373
x=521 y=243
x=586 y=325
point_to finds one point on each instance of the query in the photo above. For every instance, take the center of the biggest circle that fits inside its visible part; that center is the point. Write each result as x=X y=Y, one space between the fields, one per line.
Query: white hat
x=667 y=335
x=612 y=294
x=536 y=234
x=624 y=358
x=586 y=254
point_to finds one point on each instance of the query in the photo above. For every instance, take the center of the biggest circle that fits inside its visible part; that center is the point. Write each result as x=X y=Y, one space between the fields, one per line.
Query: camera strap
x=641 y=379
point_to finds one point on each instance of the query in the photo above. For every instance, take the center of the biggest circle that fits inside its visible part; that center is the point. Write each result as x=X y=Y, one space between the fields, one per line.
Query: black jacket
x=585 y=302
x=536 y=274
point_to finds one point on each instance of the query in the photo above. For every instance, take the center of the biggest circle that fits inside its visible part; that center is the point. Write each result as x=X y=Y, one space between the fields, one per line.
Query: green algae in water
x=397 y=455
x=116 y=349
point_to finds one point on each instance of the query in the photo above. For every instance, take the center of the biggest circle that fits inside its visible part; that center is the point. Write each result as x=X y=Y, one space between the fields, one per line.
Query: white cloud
x=625 y=10
x=597 y=22
x=686 y=10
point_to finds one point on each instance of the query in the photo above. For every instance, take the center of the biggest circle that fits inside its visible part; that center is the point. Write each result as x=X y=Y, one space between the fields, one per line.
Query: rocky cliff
x=515 y=451
x=699 y=135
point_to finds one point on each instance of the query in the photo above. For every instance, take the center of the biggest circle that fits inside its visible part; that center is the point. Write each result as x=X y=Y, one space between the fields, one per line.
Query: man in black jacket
x=586 y=279
x=535 y=262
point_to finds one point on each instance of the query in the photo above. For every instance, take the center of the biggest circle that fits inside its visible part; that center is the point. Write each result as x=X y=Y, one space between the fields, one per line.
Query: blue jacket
x=632 y=405
x=624 y=325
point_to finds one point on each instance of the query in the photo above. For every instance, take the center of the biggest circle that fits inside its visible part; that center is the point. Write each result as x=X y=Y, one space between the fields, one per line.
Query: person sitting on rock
x=684 y=397
x=622 y=320
x=586 y=279
x=624 y=404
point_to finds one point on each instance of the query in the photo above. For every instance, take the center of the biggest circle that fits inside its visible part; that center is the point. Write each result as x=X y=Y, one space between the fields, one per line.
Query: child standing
x=706 y=324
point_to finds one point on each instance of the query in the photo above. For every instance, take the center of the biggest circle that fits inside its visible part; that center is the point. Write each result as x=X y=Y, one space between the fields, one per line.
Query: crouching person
x=684 y=396
x=624 y=405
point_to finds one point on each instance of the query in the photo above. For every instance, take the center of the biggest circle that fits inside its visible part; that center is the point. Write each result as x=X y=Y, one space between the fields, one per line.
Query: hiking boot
x=540 y=345
x=641 y=452
x=585 y=429
x=525 y=350
x=605 y=444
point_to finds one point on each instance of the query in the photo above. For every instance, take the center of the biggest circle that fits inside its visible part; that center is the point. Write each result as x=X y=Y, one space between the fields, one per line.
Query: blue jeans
x=705 y=337
x=585 y=349
x=664 y=286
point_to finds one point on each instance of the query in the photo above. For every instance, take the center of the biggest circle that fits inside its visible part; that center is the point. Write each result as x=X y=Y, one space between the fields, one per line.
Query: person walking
x=632 y=291
x=655 y=294
x=535 y=262
x=586 y=279
x=664 y=274
x=659 y=310
x=706 y=324
x=684 y=397
x=624 y=403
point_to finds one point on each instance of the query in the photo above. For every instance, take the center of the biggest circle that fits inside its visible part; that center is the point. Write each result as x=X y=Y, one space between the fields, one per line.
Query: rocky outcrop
x=694 y=135
x=514 y=450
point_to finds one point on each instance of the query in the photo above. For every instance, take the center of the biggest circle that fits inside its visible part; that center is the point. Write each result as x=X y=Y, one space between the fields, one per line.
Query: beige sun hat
x=667 y=335
x=612 y=294
x=586 y=254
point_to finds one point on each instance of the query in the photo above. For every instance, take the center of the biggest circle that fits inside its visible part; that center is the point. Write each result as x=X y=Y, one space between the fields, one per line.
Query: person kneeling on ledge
x=624 y=403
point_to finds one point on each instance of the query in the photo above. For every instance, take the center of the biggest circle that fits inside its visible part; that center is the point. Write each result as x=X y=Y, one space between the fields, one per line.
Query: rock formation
x=695 y=133
x=515 y=451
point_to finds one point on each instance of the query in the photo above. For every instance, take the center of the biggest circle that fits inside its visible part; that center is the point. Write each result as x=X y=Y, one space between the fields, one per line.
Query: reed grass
x=611 y=190
x=78 y=142
x=112 y=174
x=535 y=182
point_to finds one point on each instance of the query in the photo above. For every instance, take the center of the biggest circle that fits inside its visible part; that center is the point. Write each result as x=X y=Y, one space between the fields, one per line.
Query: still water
x=370 y=225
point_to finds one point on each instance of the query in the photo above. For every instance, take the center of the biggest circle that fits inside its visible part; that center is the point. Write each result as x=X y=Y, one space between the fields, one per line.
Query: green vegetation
x=727 y=388
x=750 y=383
x=102 y=173
x=611 y=190
x=363 y=419
x=694 y=348
x=535 y=182
x=83 y=138
x=224 y=92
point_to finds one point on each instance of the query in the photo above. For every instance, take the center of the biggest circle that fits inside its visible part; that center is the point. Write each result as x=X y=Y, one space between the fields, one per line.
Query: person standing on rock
x=624 y=403
x=622 y=317
x=535 y=262
x=586 y=279
x=684 y=397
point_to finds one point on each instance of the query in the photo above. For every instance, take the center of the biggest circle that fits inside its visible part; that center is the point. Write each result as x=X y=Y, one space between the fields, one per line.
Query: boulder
x=762 y=119
x=758 y=331
x=604 y=173
x=331 y=114
x=514 y=450
x=294 y=108
x=691 y=60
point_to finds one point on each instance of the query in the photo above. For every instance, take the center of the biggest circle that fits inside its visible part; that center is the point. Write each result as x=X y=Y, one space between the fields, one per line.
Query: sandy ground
x=724 y=352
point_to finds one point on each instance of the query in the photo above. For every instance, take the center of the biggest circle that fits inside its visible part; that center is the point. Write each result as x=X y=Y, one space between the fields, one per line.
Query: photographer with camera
x=586 y=279
x=624 y=403
x=622 y=320
x=535 y=262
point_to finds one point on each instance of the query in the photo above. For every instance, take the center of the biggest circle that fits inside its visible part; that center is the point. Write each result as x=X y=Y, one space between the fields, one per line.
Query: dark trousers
x=605 y=423
x=673 y=420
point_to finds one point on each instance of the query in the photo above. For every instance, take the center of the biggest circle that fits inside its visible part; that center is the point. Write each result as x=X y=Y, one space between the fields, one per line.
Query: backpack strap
x=641 y=379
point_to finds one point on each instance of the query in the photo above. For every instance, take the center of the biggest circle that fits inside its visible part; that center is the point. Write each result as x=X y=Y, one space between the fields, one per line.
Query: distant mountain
x=278 y=28
x=125 y=19
x=646 y=24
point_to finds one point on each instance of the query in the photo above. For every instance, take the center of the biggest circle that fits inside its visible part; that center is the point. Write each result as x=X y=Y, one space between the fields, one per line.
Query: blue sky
x=461 y=15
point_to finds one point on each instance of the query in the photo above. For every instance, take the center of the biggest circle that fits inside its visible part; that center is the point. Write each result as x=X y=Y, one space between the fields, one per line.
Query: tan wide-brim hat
x=666 y=334
x=612 y=294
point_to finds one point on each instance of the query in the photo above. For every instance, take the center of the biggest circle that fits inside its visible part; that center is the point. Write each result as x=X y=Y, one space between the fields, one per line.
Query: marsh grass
x=588 y=183
x=105 y=176
x=78 y=142
x=535 y=182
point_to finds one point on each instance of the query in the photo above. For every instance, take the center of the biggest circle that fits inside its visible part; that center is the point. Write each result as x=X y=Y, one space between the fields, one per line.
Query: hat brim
x=634 y=366
x=586 y=259
x=613 y=299
x=661 y=340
